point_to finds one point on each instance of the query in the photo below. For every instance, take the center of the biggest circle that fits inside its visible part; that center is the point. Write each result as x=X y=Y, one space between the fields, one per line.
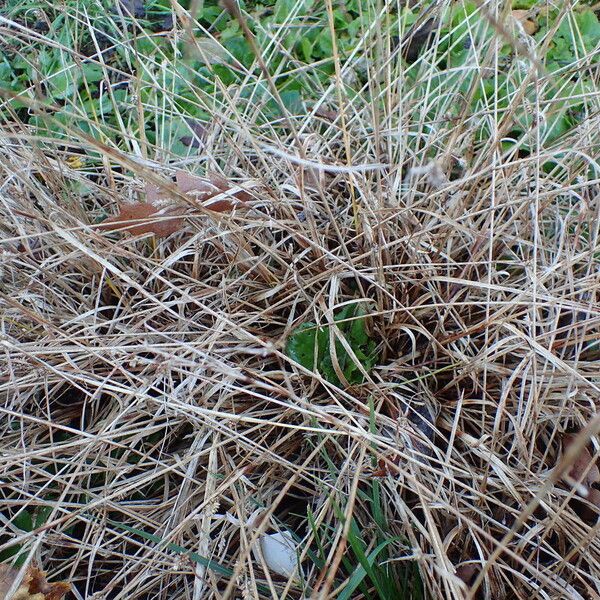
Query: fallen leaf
x=387 y=466
x=154 y=194
x=157 y=217
x=421 y=415
x=522 y=16
x=327 y=114
x=416 y=39
x=145 y=217
x=202 y=188
x=134 y=8
x=584 y=469
x=199 y=133
x=467 y=573
x=206 y=188
x=34 y=585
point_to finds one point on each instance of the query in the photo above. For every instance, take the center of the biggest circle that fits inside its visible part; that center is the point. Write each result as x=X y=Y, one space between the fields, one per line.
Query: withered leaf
x=198 y=131
x=327 y=114
x=206 y=188
x=154 y=194
x=157 y=217
x=417 y=39
x=202 y=188
x=134 y=8
x=467 y=572
x=529 y=25
x=584 y=468
x=145 y=217
x=34 y=585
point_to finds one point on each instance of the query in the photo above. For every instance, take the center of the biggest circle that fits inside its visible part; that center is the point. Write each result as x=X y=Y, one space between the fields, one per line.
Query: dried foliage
x=161 y=216
x=33 y=585
x=148 y=404
x=144 y=217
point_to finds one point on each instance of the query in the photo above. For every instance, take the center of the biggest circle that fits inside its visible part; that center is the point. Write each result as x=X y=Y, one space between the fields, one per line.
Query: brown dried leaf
x=34 y=585
x=163 y=221
x=522 y=16
x=154 y=194
x=134 y=8
x=422 y=417
x=201 y=187
x=39 y=585
x=387 y=466
x=199 y=133
x=327 y=114
x=145 y=217
x=418 y=38
x=241 y=195
x=467 y=572
x=205 y=188
x=584 y=468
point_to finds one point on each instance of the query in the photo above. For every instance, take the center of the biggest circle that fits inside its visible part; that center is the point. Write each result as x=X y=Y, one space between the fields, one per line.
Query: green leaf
x=240 y=49
x=556 y=127
x=211 y=13
x=358 y=333
x=42 y=515
x=584 y=23
x=284 y=8
x=301 y=345
x=24 y=521
x=306 y=47
x=309 y=340
x=7 y=74
x=92 y=72
x=325 y=43
x=292 y=100
x=523 y=4
x=62 y=84
x=321 y=559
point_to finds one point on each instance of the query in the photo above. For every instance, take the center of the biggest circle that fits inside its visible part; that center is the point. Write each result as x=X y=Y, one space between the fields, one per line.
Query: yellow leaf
x=75 y=162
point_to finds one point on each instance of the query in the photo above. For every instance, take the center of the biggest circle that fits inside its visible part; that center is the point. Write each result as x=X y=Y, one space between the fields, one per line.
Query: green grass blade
x=362 y=571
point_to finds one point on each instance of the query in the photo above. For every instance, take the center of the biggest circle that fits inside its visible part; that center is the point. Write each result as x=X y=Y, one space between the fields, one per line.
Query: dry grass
x=146 y=397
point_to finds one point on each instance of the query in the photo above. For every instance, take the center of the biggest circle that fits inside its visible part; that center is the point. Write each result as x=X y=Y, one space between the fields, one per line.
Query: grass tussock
x=153 y=425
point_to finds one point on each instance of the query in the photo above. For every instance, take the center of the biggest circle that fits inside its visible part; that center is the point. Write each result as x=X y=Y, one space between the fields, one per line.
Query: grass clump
x=376 y=346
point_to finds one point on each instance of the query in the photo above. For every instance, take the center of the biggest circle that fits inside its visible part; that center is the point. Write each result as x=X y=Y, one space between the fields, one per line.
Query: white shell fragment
x=279 y=552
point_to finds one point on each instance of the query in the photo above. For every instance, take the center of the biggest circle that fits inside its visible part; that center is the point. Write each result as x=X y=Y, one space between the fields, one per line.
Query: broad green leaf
x=309 y=340
x=301 y=345
x=24 y=521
